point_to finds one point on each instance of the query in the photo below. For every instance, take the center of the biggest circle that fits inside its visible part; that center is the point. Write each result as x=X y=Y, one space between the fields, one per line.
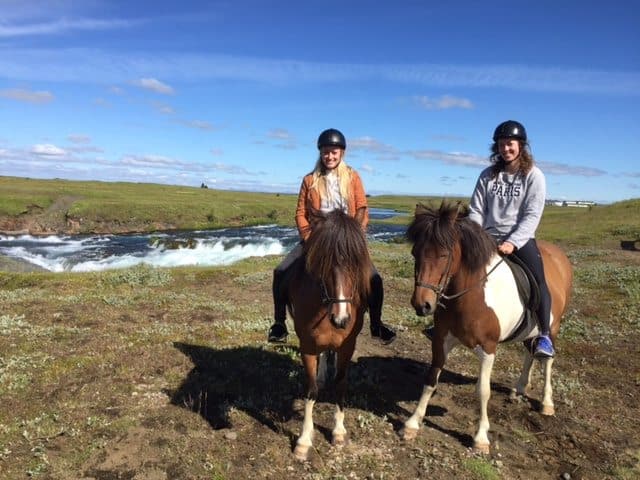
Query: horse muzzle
x=423 y=310
x=340 y=321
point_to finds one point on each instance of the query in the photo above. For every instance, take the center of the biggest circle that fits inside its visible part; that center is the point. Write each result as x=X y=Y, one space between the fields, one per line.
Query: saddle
x=529 y=292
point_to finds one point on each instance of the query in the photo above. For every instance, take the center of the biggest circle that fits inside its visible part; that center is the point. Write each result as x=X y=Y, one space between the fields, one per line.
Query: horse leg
x=524 y=381
x=481 y=439
x=547 y=400
x=439 y=351
x=304 y=442
x=339 y=433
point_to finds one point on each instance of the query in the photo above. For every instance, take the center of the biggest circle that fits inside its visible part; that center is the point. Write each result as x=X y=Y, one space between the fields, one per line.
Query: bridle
x=442 y=285
x=446 y=278
x=329 y=301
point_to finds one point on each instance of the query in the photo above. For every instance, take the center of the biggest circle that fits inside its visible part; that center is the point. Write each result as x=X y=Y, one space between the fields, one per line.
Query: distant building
x=571 y=203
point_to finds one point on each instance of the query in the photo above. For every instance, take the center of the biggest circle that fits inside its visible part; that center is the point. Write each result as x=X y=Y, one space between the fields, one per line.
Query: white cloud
x=156 y=161
x=48 y=149
x=99 y=66
x=163 y=108
x=444 y=102
x=279 y=134
x=197 y=124
x=450 y=158
x=79 y=138
x=233 y=169
x=29 y=96
x=31 y=27
x=564 y=169
x=154 y=85
x=369 y=144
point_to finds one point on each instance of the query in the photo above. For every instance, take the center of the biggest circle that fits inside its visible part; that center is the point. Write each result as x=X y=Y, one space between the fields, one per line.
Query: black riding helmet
x=332 y=138
x=510 y=129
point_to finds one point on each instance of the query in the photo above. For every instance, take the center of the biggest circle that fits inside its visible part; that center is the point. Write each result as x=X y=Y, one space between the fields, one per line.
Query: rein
x=440 y=288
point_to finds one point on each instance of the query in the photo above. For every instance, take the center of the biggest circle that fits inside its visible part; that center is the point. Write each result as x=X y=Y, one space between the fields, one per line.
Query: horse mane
x=447 y=225
x=337 y=240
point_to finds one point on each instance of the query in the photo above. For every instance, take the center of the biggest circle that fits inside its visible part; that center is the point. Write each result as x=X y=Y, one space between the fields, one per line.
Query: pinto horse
x=327 y=294
x=464 y=282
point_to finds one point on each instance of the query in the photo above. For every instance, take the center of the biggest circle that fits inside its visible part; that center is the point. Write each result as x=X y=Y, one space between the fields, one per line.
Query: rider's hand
x=506 y=248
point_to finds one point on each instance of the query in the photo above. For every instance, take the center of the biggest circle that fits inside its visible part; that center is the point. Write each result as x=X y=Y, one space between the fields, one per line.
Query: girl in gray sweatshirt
x=507 y=202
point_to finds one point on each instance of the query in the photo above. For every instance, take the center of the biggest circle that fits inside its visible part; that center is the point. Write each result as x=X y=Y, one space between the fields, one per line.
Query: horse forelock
x=430 y=228
x=338 y=241
x=447 y=225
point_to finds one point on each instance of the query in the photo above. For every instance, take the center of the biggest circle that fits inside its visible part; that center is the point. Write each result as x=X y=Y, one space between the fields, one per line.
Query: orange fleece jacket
x=309 y=200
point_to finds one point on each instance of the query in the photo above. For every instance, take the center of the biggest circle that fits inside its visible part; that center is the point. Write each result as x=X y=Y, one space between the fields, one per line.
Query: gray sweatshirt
x=510 y=206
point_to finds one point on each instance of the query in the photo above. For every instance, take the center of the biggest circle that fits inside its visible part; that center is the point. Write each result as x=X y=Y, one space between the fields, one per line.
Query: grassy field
x=84 y=207
x=152 y=374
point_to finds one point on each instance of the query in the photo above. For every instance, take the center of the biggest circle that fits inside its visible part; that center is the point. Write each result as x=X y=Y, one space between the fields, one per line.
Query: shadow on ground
x=264 y=383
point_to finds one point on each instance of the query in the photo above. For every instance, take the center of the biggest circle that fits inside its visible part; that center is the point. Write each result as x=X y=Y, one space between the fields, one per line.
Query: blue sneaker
x=543 y=347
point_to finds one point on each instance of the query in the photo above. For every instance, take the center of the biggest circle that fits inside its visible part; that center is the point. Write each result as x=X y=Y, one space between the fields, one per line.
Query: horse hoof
x=339 y=440
x=482 y=448
x=408 y=434
x=548 y=410
x=301 y=452
x=517 y=395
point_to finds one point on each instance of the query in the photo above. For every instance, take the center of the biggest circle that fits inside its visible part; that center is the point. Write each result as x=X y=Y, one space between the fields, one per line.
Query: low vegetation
x=149 y=373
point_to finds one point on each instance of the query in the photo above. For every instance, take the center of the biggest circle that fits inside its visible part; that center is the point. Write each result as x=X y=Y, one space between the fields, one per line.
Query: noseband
x=442 y=286
x=327 y=300
x=446 y=278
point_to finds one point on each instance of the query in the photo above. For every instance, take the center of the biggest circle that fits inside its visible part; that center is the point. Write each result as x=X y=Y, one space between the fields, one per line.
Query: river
x=86 y=253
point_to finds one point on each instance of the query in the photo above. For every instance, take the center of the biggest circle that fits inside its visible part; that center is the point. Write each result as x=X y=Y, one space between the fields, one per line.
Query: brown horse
x=461 y=279
x=327 y=294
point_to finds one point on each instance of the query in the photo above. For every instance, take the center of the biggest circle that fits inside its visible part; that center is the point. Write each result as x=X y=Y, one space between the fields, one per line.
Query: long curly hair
x=526 y=159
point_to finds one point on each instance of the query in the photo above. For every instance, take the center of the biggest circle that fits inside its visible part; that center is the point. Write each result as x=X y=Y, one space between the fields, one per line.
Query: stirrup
x=543 y=347
x=278 y=333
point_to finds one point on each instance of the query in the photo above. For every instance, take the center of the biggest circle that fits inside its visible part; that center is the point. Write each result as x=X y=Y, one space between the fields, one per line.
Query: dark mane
x=447 y=225
x=337 y=240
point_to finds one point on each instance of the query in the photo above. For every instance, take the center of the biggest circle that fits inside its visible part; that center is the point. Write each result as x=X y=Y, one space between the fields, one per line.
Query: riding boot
x=278 y=331
x=376 y=298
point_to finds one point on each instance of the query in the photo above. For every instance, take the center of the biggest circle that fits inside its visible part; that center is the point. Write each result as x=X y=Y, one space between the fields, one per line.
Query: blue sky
x=234 y=93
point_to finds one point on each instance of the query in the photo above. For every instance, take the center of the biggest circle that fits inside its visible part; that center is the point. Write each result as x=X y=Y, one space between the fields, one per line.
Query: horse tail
x=326 y=368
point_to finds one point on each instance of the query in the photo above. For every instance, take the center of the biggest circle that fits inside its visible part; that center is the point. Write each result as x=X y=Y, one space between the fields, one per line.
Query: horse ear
x=420 y=208
x=464 y=210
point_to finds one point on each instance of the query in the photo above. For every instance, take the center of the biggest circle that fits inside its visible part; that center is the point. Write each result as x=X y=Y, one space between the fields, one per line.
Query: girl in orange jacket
x=331 y=185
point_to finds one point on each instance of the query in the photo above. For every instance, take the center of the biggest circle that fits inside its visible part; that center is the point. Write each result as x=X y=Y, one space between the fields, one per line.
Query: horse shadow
x=261 y=382
x=381 y=385
x=265 y=382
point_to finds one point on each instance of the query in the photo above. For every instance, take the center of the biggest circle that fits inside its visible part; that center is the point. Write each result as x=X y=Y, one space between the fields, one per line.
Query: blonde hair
x=343 y=171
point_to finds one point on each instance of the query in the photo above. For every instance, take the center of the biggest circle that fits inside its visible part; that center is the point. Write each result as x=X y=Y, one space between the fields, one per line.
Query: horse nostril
x=423 y=310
